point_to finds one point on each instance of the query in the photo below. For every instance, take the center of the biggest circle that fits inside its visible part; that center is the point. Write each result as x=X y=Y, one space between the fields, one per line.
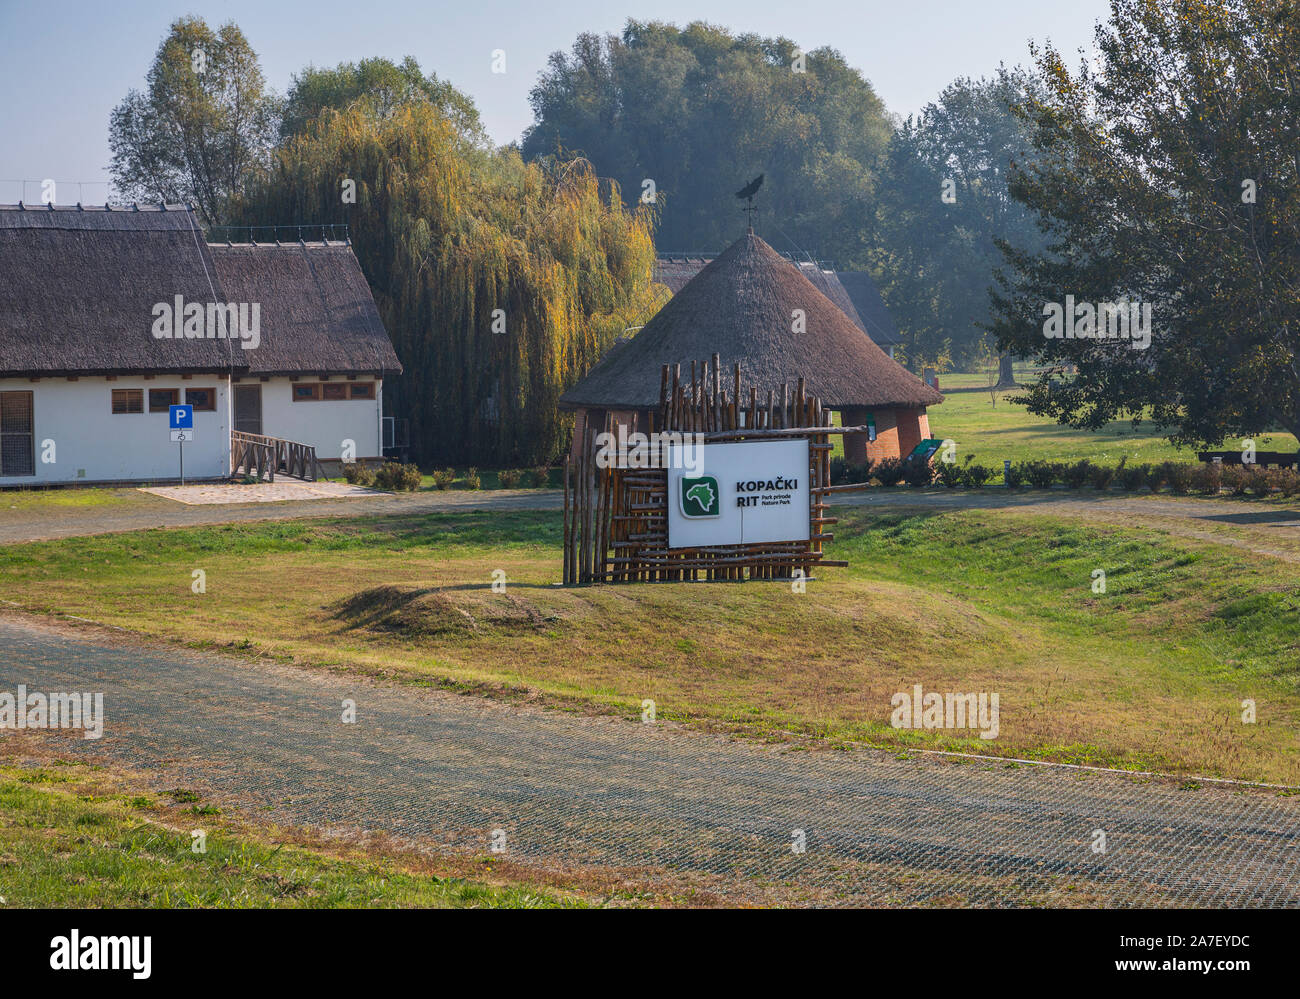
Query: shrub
x=1287 y=480
x=357 y=474
x=1014 y=476
x=839 y=471
x=510 y=478
x=1041 y=474
x=1208 y=478
x=1234 y=479
x=918 y=473
x=472 y=480
x=889 y=472
x=949 y=473
x=974 y=476
x=1076 y=475
x=1157 y=476
x=1258 y=480
x=443 y=477
x=1101 y=476
x=1131 y=477
x=396 y=478
x=539 y=477
x=1180 y=476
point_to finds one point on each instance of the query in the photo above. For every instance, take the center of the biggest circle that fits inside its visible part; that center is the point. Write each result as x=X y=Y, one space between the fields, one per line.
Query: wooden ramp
x=261 y=457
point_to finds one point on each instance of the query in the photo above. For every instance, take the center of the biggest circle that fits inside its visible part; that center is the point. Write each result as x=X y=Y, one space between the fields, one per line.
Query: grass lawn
x=994 y=429
x=1149 y=675
x=89 y=496
x=73 y=837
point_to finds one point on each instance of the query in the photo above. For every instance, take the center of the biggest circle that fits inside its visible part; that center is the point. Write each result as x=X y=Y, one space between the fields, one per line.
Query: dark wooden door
x=17 y=437
x=248 y=409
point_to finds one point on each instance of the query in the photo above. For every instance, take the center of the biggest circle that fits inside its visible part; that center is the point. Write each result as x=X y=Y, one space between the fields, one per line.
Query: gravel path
x=567 y=792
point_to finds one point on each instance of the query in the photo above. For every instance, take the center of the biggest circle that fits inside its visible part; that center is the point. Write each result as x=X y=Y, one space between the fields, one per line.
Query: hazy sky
x=64 y=65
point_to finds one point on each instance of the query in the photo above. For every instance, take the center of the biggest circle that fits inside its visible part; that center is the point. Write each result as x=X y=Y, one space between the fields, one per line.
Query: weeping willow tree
x=501 y=282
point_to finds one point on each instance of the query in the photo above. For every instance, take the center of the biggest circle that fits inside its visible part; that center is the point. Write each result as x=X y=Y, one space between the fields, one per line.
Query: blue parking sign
x=182 y=417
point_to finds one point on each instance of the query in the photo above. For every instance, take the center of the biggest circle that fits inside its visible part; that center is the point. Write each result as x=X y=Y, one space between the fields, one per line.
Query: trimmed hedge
x=1180 y=478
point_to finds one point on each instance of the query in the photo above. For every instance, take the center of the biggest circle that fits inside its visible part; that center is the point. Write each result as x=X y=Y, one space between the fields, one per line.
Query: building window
x=17 y=434
x=335 y=390
x=128 y=401
x=306 y=393
x=204 y=400
x=362 y=390
x=160 y=400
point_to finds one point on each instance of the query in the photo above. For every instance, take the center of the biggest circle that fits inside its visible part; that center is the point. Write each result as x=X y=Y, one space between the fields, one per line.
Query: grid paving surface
x=442 y=772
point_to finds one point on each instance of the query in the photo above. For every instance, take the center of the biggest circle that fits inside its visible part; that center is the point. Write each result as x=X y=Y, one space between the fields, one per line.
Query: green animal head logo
x=700 y=497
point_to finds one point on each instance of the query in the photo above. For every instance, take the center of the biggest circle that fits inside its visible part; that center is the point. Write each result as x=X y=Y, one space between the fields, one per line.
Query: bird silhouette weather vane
x=747 y=194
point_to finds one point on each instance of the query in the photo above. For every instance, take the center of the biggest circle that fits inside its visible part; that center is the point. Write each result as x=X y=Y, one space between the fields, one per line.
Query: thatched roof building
x=79 y=285
x=112 y=316
x=743 y=306
x=854 y=292
x=318 y=315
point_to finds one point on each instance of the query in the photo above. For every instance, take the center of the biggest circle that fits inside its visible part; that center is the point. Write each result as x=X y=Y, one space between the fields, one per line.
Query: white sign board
x=182 y=435
x=741 y=493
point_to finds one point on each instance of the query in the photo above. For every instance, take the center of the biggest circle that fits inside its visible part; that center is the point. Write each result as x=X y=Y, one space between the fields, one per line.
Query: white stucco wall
x=92 y=444
x=325 y=424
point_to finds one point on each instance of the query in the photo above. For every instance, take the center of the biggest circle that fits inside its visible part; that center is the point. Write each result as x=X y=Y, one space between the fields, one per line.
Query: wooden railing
x=261 y=457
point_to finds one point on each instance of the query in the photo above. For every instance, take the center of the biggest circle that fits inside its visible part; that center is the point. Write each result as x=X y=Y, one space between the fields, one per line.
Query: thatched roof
x=317 y=311
x=78 y=287
x=675 y=270
x=876 y=320
x=740 y=307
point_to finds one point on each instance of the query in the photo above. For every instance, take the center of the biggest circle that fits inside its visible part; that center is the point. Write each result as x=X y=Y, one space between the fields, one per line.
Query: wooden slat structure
x=616 y=519
x=262 y=457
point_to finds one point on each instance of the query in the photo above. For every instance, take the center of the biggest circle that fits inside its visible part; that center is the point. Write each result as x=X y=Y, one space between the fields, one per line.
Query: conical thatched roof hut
x=753 y=307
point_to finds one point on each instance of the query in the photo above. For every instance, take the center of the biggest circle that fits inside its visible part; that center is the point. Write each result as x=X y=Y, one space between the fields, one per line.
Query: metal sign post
x=181 y=420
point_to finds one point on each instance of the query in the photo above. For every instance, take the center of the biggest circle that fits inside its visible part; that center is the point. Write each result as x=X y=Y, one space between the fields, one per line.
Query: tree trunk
x=1006 y=375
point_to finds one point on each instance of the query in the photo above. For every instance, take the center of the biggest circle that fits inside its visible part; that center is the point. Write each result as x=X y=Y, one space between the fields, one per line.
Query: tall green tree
x=382 y=87
x=203 y=126
x=1168 y=175
x=943 y=206
x=500 y=281
x=698 y=111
